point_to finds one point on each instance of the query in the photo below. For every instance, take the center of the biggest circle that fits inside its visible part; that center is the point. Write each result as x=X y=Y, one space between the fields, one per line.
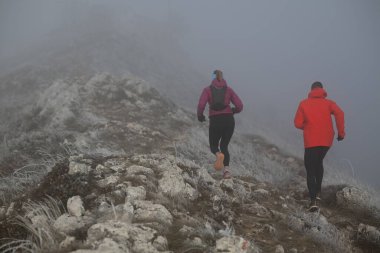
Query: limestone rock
x=160 y=243
x=260 y=194
x=107 y=246
x=75 y=206
x=279 y=249
x=109 y=181
x=137 y=237
x=353 y=198
x=369 y=234
x=67 y=243
x=122 y=212
x=172 y=184
x=68 y=225
x=135 y=193
x=258 y=210
x=186 y=231
x=139 y=170
x=80 y=168
x=147 y=212
x=232 y=244
x=227 y=185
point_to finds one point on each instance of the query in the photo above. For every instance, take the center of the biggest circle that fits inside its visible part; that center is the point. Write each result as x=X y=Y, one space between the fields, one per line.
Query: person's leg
x=214 y=135
x=322 y=151
x=310 y=164
x=228 y=131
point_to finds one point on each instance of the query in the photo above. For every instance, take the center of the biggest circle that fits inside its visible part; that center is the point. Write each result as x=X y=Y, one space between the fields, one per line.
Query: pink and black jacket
x=230 y=97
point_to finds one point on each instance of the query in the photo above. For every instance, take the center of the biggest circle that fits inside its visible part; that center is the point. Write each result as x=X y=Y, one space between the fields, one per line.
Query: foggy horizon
x=270 y=52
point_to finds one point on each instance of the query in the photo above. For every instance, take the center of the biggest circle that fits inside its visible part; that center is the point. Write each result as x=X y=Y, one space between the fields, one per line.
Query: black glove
x=234 y=110
x=340 y=138
x=201 y=118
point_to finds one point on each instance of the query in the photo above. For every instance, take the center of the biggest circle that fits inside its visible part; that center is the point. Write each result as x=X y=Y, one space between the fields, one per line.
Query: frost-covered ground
x=97 y=115
x=79 y=175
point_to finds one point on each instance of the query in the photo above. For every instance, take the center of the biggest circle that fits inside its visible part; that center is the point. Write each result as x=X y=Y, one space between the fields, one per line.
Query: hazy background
x=270 y=52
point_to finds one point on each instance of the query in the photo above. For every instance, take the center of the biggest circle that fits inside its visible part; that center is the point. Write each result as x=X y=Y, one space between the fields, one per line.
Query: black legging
x=221 y=130
x=314 y=168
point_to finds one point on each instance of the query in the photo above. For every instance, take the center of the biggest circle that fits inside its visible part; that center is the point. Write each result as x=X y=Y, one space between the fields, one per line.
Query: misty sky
x=270 y=52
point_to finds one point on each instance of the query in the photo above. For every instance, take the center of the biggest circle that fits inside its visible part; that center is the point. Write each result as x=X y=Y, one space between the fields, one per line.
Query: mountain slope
x=87 y=143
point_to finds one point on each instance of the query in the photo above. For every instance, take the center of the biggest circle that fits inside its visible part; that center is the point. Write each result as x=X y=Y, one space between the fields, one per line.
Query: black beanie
x=316 y=85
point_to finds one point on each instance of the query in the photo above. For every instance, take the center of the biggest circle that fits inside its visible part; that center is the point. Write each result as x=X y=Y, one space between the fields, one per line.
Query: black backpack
x=217 y=98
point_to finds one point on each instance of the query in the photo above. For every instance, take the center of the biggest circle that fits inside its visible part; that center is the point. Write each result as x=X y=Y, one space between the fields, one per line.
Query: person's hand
x=234 y=110
x=340 y=138
x=201 y=118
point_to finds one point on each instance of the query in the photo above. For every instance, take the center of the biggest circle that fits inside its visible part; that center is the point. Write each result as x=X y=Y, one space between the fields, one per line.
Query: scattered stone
x=186 y=231
x=172 y=184
x=135 y=193
x=147 y=212
x=227 y=185
x=206 y=177
x=258 y=210
x=110 y=246
x=260 y=194
x=232 y=244
x=101 y=170
x=68 y=225
x=78 y=168
x=160 y=243
x=293 y=250
x=91 y=196
x=269 y=229
x=139 y=170
x=119 y=194
x=290 y=159
x=76 y=158
x=279 y=249
x=197 y=242
x=107 y=246
x=109 y=181
x=122 y=212
x=369 y=234
x=67 y=243
x=137 y=237
x=75 y=206
x=353 y=198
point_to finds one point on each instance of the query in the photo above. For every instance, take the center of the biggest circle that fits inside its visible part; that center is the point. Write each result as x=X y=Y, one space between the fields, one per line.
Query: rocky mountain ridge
x=125 y=170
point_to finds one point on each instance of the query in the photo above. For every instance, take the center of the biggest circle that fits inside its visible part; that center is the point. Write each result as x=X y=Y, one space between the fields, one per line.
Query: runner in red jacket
x=314 y=118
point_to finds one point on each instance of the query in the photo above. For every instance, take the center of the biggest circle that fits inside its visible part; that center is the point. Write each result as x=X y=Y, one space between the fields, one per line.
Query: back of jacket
x=314 y=118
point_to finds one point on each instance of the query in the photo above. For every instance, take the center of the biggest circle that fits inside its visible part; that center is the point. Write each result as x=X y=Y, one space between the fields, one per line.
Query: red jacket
x=314 y=118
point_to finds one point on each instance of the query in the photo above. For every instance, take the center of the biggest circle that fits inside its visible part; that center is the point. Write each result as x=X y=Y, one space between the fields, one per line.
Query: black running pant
x=314 y=168
x=221 y=130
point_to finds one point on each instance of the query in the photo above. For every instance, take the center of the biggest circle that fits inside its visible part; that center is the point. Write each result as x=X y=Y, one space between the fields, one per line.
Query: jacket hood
x=219 y=84
x=317 y=93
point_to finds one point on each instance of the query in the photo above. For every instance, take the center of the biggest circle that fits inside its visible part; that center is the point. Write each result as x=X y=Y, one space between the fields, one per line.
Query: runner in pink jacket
x=219 y=97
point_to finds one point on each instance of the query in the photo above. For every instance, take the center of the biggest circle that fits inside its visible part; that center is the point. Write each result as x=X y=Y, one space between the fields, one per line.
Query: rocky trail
x=160 y=203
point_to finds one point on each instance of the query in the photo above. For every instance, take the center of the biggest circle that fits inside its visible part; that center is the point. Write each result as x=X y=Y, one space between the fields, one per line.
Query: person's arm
x=202 y=104
x=236 y=101
x=299 y=119
x=339 y=119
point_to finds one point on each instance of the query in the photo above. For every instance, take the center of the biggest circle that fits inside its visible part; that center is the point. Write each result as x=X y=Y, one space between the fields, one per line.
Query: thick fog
x=270 y=52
